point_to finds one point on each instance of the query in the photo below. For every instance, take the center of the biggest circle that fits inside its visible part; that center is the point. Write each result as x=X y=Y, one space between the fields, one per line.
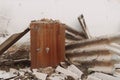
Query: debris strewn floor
x=59 y=73
x=86 y=58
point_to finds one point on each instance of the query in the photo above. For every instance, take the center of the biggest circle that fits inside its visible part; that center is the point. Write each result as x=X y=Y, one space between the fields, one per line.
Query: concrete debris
x=103 y=76
x=117 y=73
x=57 y=76
x=64 y=64
x=14 y=71
x=60 y=73
x=75 y=70
x=90 y=77
x=41 y=76
x=25 y=70
x=117 y=66
x=67 y=72
x=6 y=75
x=47 y=70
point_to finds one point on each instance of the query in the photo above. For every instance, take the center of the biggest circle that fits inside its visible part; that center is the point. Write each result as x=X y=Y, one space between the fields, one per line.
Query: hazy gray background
x=102 y=16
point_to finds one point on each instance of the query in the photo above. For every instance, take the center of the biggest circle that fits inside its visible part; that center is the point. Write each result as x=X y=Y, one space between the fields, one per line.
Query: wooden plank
x=94 y=41
x=71 y=36
x=80 y=34
x=84 y=27
x=11 y=40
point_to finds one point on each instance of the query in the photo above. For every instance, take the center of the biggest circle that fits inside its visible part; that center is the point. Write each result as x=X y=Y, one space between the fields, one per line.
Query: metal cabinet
x=47 y=43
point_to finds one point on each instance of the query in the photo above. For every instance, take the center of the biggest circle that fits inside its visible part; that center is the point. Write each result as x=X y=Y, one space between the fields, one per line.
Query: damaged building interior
x=59 y=40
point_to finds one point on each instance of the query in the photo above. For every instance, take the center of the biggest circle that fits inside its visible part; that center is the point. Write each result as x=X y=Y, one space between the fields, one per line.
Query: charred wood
x=93 y=41
x=69 y=29
x=87 y=53
x=101 y=66
x=11 y=40
x=10 y=62
x=93 y=57
x=70 y=36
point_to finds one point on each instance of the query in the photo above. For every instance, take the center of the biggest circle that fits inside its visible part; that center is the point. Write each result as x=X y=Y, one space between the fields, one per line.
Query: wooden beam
x=94 y=41
x=11 y=40
x=69 y=29
x=84 y=27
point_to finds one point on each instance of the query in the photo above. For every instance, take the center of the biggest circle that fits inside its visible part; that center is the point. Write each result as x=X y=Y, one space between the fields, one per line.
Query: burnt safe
x=47 y=43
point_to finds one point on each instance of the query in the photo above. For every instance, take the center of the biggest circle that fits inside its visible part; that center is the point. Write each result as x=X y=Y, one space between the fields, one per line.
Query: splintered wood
x=84 y=26
x=98 y=54
x=11 y=40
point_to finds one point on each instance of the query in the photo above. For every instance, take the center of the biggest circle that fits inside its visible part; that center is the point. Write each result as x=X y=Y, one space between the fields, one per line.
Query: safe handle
x=47 y=50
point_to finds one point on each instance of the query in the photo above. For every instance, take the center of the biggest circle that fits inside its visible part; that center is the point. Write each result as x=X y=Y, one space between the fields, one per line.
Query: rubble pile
x=48 y=73
x=59 y=73
x=86 y=58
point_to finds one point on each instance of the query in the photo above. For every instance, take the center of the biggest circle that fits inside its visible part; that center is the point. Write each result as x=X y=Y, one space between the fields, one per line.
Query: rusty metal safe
x=47 y=43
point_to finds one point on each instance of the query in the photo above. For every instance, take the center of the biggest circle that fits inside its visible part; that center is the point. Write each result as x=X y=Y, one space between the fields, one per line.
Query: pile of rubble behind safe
x=86 y=58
